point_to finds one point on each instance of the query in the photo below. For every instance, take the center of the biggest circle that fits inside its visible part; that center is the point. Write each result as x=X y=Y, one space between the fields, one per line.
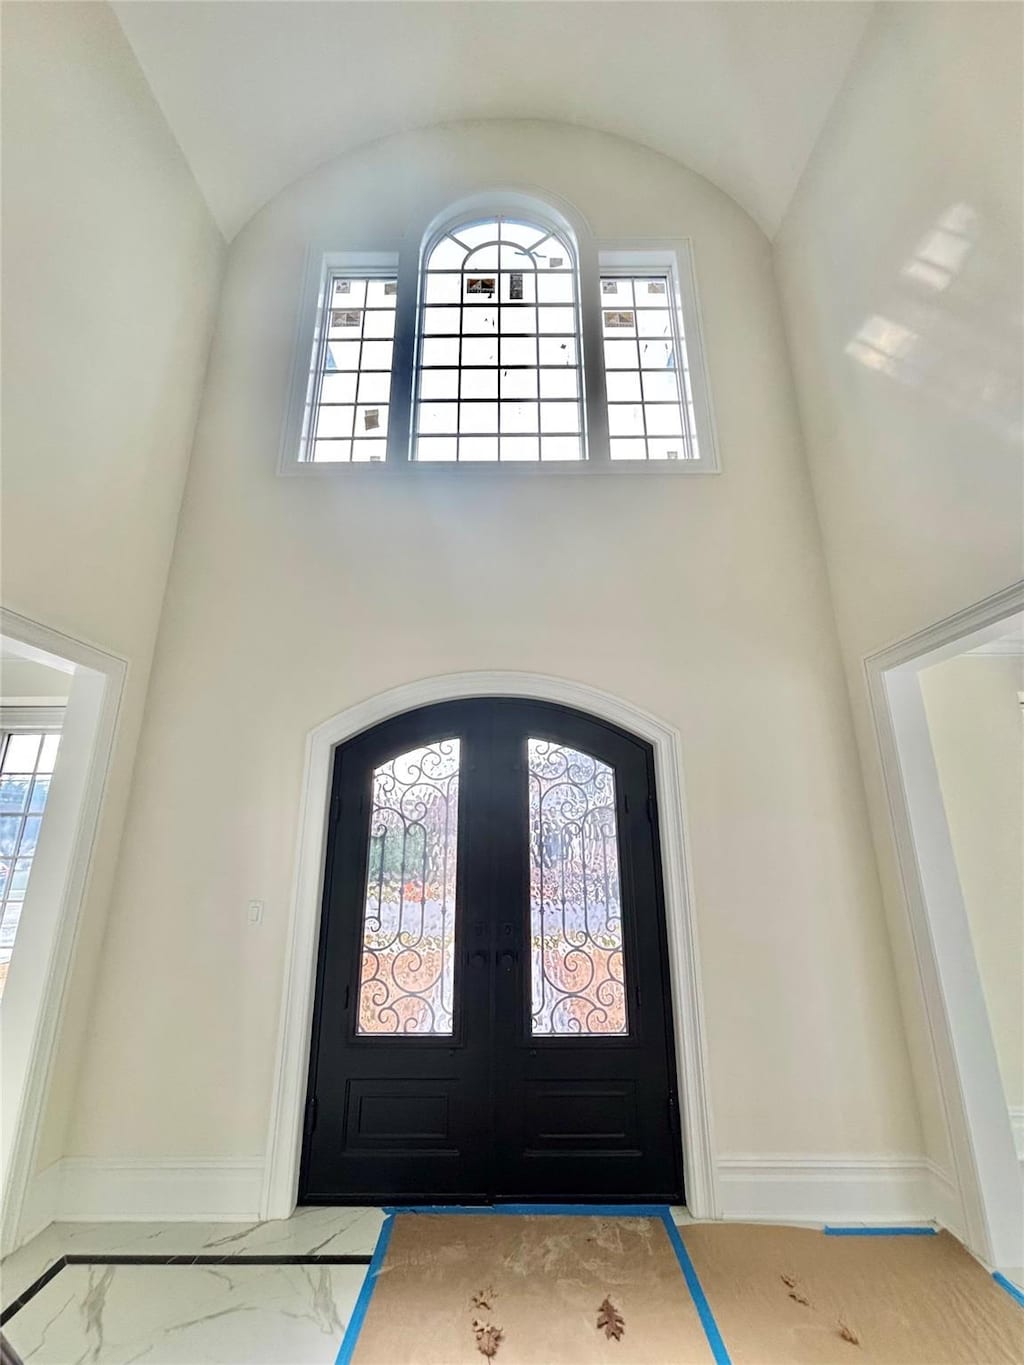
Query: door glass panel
x=575 y=900
x=406 y=979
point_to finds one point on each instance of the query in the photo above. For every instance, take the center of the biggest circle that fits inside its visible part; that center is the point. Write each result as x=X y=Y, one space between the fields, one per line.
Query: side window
x=349 y=395
x=647 y=373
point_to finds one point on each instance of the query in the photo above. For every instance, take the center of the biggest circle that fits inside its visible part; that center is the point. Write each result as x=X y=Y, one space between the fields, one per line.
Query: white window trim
x=404 y=261
x=42 y=719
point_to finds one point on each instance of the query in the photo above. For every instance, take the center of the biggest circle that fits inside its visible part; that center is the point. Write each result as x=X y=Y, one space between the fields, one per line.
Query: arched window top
x=500 y=242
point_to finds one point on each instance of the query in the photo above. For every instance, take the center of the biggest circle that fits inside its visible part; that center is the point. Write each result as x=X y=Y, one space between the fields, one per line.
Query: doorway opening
x=945 y=753
x=492 y=1015
x=60 y=701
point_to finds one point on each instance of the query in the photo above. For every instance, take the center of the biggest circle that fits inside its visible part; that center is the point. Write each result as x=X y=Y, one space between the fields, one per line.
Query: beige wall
x=976 y=725
x=26 y=683
x=900 y=266
x=111 y=272
x=702 y=599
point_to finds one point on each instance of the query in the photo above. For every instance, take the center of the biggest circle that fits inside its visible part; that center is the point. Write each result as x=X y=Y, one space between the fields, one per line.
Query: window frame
x=593 y=258
x=15 y=720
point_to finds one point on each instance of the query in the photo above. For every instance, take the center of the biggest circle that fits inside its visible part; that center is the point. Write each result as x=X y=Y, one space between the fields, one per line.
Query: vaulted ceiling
x=260 y=94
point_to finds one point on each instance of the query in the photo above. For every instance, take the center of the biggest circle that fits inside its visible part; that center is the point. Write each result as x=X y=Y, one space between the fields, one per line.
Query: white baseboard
x=118 y=1190
x=783 y=1189
x=42 y=1194
x=813 y=1189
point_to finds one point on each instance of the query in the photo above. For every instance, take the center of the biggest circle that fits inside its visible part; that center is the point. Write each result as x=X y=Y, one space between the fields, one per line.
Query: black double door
x=492 y=1016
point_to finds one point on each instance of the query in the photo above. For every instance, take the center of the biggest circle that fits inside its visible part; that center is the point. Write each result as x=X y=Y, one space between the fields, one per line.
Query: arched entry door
x=492 y=1016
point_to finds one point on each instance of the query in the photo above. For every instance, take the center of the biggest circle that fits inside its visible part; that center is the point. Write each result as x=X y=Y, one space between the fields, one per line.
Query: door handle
x=478 y=959
x=507 y=959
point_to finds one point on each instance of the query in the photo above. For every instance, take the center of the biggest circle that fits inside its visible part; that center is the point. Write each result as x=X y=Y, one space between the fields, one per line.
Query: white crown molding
x=283 y=1142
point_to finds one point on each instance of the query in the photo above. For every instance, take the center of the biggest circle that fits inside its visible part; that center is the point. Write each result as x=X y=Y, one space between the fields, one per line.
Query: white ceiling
x=259 y=94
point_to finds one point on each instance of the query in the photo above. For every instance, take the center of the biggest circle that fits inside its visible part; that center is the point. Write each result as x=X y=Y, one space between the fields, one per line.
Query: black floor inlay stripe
x=80 y=1259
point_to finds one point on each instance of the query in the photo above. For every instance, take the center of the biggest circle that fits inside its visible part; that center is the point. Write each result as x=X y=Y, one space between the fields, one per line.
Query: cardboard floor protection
x=908 y=1300
x=544 y=1278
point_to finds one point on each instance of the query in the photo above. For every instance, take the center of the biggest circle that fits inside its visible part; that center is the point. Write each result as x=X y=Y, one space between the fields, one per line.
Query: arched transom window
x=498 y=359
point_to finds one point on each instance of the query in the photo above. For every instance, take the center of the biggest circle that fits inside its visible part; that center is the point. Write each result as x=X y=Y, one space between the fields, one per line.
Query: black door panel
x=440 y=1069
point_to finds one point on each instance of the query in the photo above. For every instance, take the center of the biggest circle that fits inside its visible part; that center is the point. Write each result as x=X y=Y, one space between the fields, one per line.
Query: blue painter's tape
x=693 y=1284
x=573 y=1210
x=362 y=1303
x=1009 y=1286
x=878 y=1232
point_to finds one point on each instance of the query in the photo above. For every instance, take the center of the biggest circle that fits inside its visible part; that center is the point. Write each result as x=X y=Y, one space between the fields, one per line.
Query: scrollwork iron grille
x=406 y=982
x=577 y=976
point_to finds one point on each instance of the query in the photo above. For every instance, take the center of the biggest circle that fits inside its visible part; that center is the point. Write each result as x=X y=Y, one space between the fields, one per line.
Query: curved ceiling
x=260 y=94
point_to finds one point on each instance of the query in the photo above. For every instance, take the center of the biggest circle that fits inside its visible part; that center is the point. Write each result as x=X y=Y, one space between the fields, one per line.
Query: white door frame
x=33 y=998
x=284 y=1139
x=985 y=1161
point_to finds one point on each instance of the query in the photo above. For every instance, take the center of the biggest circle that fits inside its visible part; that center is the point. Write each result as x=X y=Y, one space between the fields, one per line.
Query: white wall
x=111 y=271
x=977 y=727
x=906 y=349
x=702 y=599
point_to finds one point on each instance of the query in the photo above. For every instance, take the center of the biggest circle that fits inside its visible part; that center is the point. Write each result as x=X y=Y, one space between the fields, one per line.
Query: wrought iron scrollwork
x=578 y=985
x=407 y=975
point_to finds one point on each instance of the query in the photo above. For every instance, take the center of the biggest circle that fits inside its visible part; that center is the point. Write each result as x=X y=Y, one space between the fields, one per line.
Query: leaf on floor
x=483 y=1298
x=610 y=1320
x=488 y=1338
x=798 y=1297
x=789 y=1281
x=847 y=1333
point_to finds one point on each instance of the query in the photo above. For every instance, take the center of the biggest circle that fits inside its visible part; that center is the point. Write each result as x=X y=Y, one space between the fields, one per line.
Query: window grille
x=499 y=347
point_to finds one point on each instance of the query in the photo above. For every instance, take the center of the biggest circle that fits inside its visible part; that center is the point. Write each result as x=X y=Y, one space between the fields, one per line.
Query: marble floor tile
x=188 y=1315
x=311 y=1231
x=24 y=1266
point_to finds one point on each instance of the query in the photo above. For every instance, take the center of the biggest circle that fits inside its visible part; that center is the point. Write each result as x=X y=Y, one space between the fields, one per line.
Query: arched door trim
x=281 y=1170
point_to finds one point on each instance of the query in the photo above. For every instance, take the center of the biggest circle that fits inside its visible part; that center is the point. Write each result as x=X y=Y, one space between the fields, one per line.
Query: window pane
x=561 y=448
x=438 y=321
x=20 y=753
x=332 y=452
x=447 y=255
x=374 y=387
x=438 y=448
x=406 y=980
x=13 y=793
x=338 y=388
x=439 y=384
x=478 y=448
x=519 y=417
x=332 y=422
x=478 y=417
x=576 y=958
x=520 y=383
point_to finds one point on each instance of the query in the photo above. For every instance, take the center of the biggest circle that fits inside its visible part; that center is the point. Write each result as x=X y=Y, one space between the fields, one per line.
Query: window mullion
x=595 y=390
x=403 y=360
